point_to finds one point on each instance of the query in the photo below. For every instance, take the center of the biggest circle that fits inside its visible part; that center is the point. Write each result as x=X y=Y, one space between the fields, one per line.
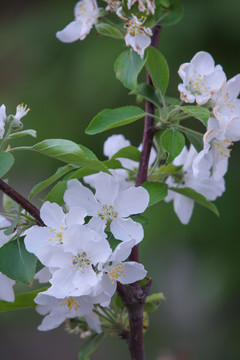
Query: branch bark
x=19 y=199
x=133 y=296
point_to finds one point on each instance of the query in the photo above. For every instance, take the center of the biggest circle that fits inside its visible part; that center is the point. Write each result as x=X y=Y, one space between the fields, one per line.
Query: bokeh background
x=196 y=266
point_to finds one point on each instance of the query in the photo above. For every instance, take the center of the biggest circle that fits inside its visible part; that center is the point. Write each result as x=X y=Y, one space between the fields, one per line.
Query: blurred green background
x=197 y=266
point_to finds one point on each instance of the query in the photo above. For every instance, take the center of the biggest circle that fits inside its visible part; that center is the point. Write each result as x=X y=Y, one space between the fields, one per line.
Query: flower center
x=81 y=11
x=107 y=213
x=197 y=84
x=222 y=148
x=117 y=272
x=70 y=302
x=135 y=26
x=81 y=261
x=58 y=235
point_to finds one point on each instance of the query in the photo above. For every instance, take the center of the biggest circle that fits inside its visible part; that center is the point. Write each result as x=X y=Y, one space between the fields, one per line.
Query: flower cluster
x=206 y=84
x=87 y=14
x=80 y=264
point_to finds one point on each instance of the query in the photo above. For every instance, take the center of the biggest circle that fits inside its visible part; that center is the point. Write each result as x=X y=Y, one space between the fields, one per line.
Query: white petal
x=6 y=288
x=71 y=32
x=127 y=229
x=107 y=187
x=52 y=215
x=113 y=144
x=133 y=272
x=183 y=207
x=132 y=201
x=75 y=215
x=122 y=251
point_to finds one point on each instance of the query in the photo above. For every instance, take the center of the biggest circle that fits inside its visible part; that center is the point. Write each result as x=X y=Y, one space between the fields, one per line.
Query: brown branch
x=133 y=296
x=25 y=204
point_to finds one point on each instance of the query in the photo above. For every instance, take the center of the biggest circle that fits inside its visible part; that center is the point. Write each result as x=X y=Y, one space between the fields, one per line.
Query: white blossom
x=143 y=5
x=86 y=14
x=226 y=104
x=213 y=159
x=208 y=187
x=110 y=206
x=201 y=79
x=3 y=118
x=56 y=222
x=21 y=111
x=6 y=288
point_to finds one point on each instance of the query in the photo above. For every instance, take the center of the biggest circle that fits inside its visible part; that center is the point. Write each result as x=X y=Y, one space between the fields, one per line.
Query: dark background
x=65 y=85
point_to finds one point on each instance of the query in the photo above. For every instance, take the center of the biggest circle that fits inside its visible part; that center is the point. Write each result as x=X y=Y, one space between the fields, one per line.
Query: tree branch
x=25 y=204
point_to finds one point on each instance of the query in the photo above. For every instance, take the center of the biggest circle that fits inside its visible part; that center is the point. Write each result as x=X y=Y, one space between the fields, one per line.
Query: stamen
x=117 y=272
x=70 y=302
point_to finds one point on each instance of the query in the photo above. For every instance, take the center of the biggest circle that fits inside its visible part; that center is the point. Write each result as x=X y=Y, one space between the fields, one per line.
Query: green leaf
x=168 y=12
x=129 y=152
x=8 y=203
x=49 y=181
x=6 y=162
x=147 y=91
x=127 y=67
x=16 y=262
x=22 y=301
x=18 y=134
x=173 y=142
x=57 y=192
x=111 y=118
x=153 y=301
x=169 y=169
x=194 y=137
x=158 y=69
x=108 y=30
x=141 y=220
x=157 y=191
x=198 y=112
x=69 y=152
x=90 y=345
x=198 y=198
x=80 y=173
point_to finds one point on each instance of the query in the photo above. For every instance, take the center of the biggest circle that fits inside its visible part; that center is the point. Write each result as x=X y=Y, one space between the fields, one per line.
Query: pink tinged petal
x=107 y=188
x=127 y=229
x=202 y=99
x=75 y=215
x=132 y=273
x=185 y=95
x=122 y=251
x=52 y=215
x=183 y=207
x=232 y=131
x=78 y=195
x=138 y=42
x=6 y=288
x=132 y=201
x=71 y=32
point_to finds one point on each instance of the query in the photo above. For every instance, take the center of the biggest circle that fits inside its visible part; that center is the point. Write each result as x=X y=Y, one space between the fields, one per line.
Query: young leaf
x=18 y=134
x=168 y=12
x=6 y=162
x=194 y=137
x=173 y=142
x=147 y=91
x=158 y=69
x=57 y=193
x=141 y=220
x=108 y=30
x=90 y=345
x=198 y=112
x=127 y=67
x=22 y=301
x=157 y=191
x=49 y=181
x=153 y=301
x=80 y=173
x=69 y=152
x=129 y=152
x=111 y=118
x=16 y=262
x=198 y=198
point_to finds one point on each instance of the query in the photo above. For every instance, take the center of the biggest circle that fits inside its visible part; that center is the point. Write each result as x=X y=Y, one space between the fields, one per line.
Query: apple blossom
x=86 y=13
x=208 y=187
x=3 y=118
x=201 y=78
x=110 y=206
